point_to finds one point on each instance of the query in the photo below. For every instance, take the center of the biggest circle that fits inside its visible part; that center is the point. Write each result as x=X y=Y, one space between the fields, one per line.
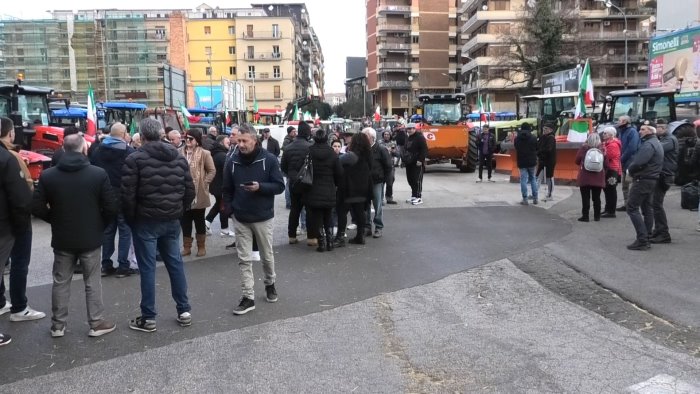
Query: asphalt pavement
x=433 y=306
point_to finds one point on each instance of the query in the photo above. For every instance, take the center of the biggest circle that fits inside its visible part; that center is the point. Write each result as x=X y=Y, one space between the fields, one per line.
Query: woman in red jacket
x=613 y=170
x=591 y=183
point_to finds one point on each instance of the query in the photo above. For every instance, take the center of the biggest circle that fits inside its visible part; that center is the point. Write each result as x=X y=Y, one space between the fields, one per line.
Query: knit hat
x=526 y=127
x=304 y=130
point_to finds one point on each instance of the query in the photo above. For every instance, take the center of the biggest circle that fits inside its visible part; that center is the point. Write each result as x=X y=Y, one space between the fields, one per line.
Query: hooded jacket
x=547 y=150
x=649 y=159
x=258 y=206
x=156 y=183
x=78 y=200
x=15 y=197
x=526 y=149
x=110 y=156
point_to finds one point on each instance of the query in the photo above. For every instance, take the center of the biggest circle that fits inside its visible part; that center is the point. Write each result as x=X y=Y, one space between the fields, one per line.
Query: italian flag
x=579 y=127
x=185 y=116
x=482 y=110
x=91 y=127
x=296 y=112
x=377 y=114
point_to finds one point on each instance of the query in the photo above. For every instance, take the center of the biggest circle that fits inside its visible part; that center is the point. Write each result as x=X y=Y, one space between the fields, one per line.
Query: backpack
x=593 y=161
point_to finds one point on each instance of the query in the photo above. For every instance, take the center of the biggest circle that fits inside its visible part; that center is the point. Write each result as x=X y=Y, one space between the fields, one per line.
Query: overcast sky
x=339 y=24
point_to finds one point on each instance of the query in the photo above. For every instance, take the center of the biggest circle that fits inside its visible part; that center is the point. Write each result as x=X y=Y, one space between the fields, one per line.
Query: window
x=132 y=34
x=251 y=72
x=251 y=92
x=278 y=92
x=232 y=70
x=231 y=50
x=414 y=39
x=133 y=71
x=161 y=57
x=207 y=51
x=160 y=32
x=207 y=71
x=20 y=52
x=207 y=30
x=232 y=30
x=276 y=51
x=251 y=52
x=276 y=31
x=276 y=72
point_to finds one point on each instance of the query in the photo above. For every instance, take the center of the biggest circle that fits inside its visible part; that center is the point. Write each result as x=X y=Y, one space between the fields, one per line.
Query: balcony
x=620 y=58
x=386 y=27
x=262 y=35
x=393 y=84
x=612 y=35
x=479 y=40
x=468 y=5
x=394 y=66
x=480 y=61
x=633 y=11
x=631 y=79
x=394 y=9
x=265 y=97
x=393 y=47
x=261 y=77
x=263 y=56
x=480 y=17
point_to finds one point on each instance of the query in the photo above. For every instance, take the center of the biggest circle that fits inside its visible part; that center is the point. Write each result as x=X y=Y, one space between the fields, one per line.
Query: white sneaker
x=27 y=314
x=255 y=256
x=417 y=201
x=227 y=233
x=58 y=332
x=208 y=225
x=5 y=308
x=352 y=226
x=410 y=200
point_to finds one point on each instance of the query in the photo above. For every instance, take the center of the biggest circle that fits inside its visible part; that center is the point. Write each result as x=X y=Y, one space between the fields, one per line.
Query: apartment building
x=596 y=32
x=411 y=49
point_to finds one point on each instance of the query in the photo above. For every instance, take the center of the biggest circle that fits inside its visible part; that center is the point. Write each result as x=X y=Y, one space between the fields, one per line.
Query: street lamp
x=211 y=82
x=478 y=78
x=609 y=4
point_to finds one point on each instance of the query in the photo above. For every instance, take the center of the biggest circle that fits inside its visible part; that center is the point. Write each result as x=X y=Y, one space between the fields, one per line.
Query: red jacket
x=585 y=177
x=613 y=149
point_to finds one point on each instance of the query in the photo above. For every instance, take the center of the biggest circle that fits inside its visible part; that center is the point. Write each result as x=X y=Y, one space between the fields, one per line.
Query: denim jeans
x=150 y=235
x=124 y=243
x=20 y=255
x=377 y=202
x=527 y=175
x=287 y=194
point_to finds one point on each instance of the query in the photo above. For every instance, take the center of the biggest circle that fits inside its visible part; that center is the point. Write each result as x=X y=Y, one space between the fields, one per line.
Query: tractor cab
x=128 y=113
x=442 y=109
x=70 y=116
x=640 y=105
x=205 y=118
x=549 y=108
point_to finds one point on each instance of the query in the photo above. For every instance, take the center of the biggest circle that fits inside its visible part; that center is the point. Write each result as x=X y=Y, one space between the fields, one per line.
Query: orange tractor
x=450 y=138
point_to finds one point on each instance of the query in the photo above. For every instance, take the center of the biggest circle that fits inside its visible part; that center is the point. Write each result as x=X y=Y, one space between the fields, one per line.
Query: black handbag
x=305 y=177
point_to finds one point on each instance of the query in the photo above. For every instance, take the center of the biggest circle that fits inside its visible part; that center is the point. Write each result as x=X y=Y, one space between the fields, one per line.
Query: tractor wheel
x=472 y=155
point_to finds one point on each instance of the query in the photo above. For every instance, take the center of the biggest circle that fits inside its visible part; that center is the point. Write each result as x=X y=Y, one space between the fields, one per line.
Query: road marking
x=662 y=384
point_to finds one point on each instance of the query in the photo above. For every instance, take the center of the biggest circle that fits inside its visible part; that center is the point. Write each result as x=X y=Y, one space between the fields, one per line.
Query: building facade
x=411 y=49
x=596 y=32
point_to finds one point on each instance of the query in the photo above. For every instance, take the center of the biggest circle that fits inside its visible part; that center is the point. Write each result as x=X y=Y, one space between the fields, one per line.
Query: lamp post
x=609 y=4
x=211 y=82
x=478 y=78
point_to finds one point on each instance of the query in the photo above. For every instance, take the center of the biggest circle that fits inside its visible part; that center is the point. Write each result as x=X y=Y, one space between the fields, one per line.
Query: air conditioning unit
x=611 y=51
x=606 y=23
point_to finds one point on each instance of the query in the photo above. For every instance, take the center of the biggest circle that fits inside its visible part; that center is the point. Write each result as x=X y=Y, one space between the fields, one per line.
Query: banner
x=673 y=56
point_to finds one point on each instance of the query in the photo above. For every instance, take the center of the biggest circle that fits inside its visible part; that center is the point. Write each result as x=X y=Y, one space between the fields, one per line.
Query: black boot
x=329 y=240
x=321 y=243
x=359 y=237
x=339 y=240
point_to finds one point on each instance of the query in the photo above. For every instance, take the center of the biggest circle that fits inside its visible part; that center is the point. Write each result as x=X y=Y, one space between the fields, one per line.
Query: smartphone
x=249 y=184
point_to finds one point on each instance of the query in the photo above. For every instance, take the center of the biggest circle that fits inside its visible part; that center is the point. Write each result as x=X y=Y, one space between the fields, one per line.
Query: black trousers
x=196 y=216
x=319 y=222
x=660 y=220
x=216 y=210
x=610 y=192
x=414 y=176
x=389 y=192
x=487 y=160
x=358 y=214
x=294 y=212
x=588 y=192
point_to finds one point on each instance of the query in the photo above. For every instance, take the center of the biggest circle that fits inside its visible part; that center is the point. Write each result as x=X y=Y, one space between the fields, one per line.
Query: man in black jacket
x=15 y=203
x=157 y=188
x=526 y=151
x=77 y=226
x=380 y=174
x=110 y=156
x=669 y=143
x=413 y=156
x=292 y=160
x=644 y=169
x=486 y=144
x=547 y=157
x=270 y=144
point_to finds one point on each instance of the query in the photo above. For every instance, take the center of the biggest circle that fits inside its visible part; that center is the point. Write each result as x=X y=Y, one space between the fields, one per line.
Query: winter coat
x=382 y=164
x=416 y=149
x=110 y=156
x=293 y=158
x=258 y=206
x=491 y=144
x=202 y=171
x=629 y=138
x=669 y=143
x=156 y=183
x=15 y=196
x=208 y=141
x=218 y=154
x=14 y=151
x=649 y=159
x=547 y=150
x=287 y=140
x=612 y=155
x=327 y=174
x=78 y=200
x=273 y=146
x=585 y=177
x=526 y=149
x=356 y=184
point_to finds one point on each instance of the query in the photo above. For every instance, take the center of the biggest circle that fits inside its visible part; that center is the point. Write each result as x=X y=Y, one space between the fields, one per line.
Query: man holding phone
x=252 y=178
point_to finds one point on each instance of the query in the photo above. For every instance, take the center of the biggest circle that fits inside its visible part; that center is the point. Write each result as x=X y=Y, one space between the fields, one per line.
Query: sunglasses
x=190 y=138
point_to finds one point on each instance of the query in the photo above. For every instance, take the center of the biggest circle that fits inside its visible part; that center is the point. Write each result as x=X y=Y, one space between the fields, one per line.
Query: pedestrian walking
x=486 y=143
x=380 y=173
x=156 y=190
x=644 y=170
x=355 y=188
x=629 y=138
x=293 y=159
x=669 y=143
x=110 y=156
x=252 y=178
x=613 y=170
x=15 y=208
x=202 y=170
x=547 y=157
x=526 y=151
x=413 y=157
x=390 y=146
x=591 y=178
x=218 y=154
x=77 y=230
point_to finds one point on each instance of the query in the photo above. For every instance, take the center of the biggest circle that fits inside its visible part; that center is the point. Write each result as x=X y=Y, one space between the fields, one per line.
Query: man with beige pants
x=252 y=178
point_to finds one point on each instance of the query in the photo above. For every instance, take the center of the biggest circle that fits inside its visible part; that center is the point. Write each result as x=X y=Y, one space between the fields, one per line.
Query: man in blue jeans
x=157 y=188
x=526 y=150
x=380 y=173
